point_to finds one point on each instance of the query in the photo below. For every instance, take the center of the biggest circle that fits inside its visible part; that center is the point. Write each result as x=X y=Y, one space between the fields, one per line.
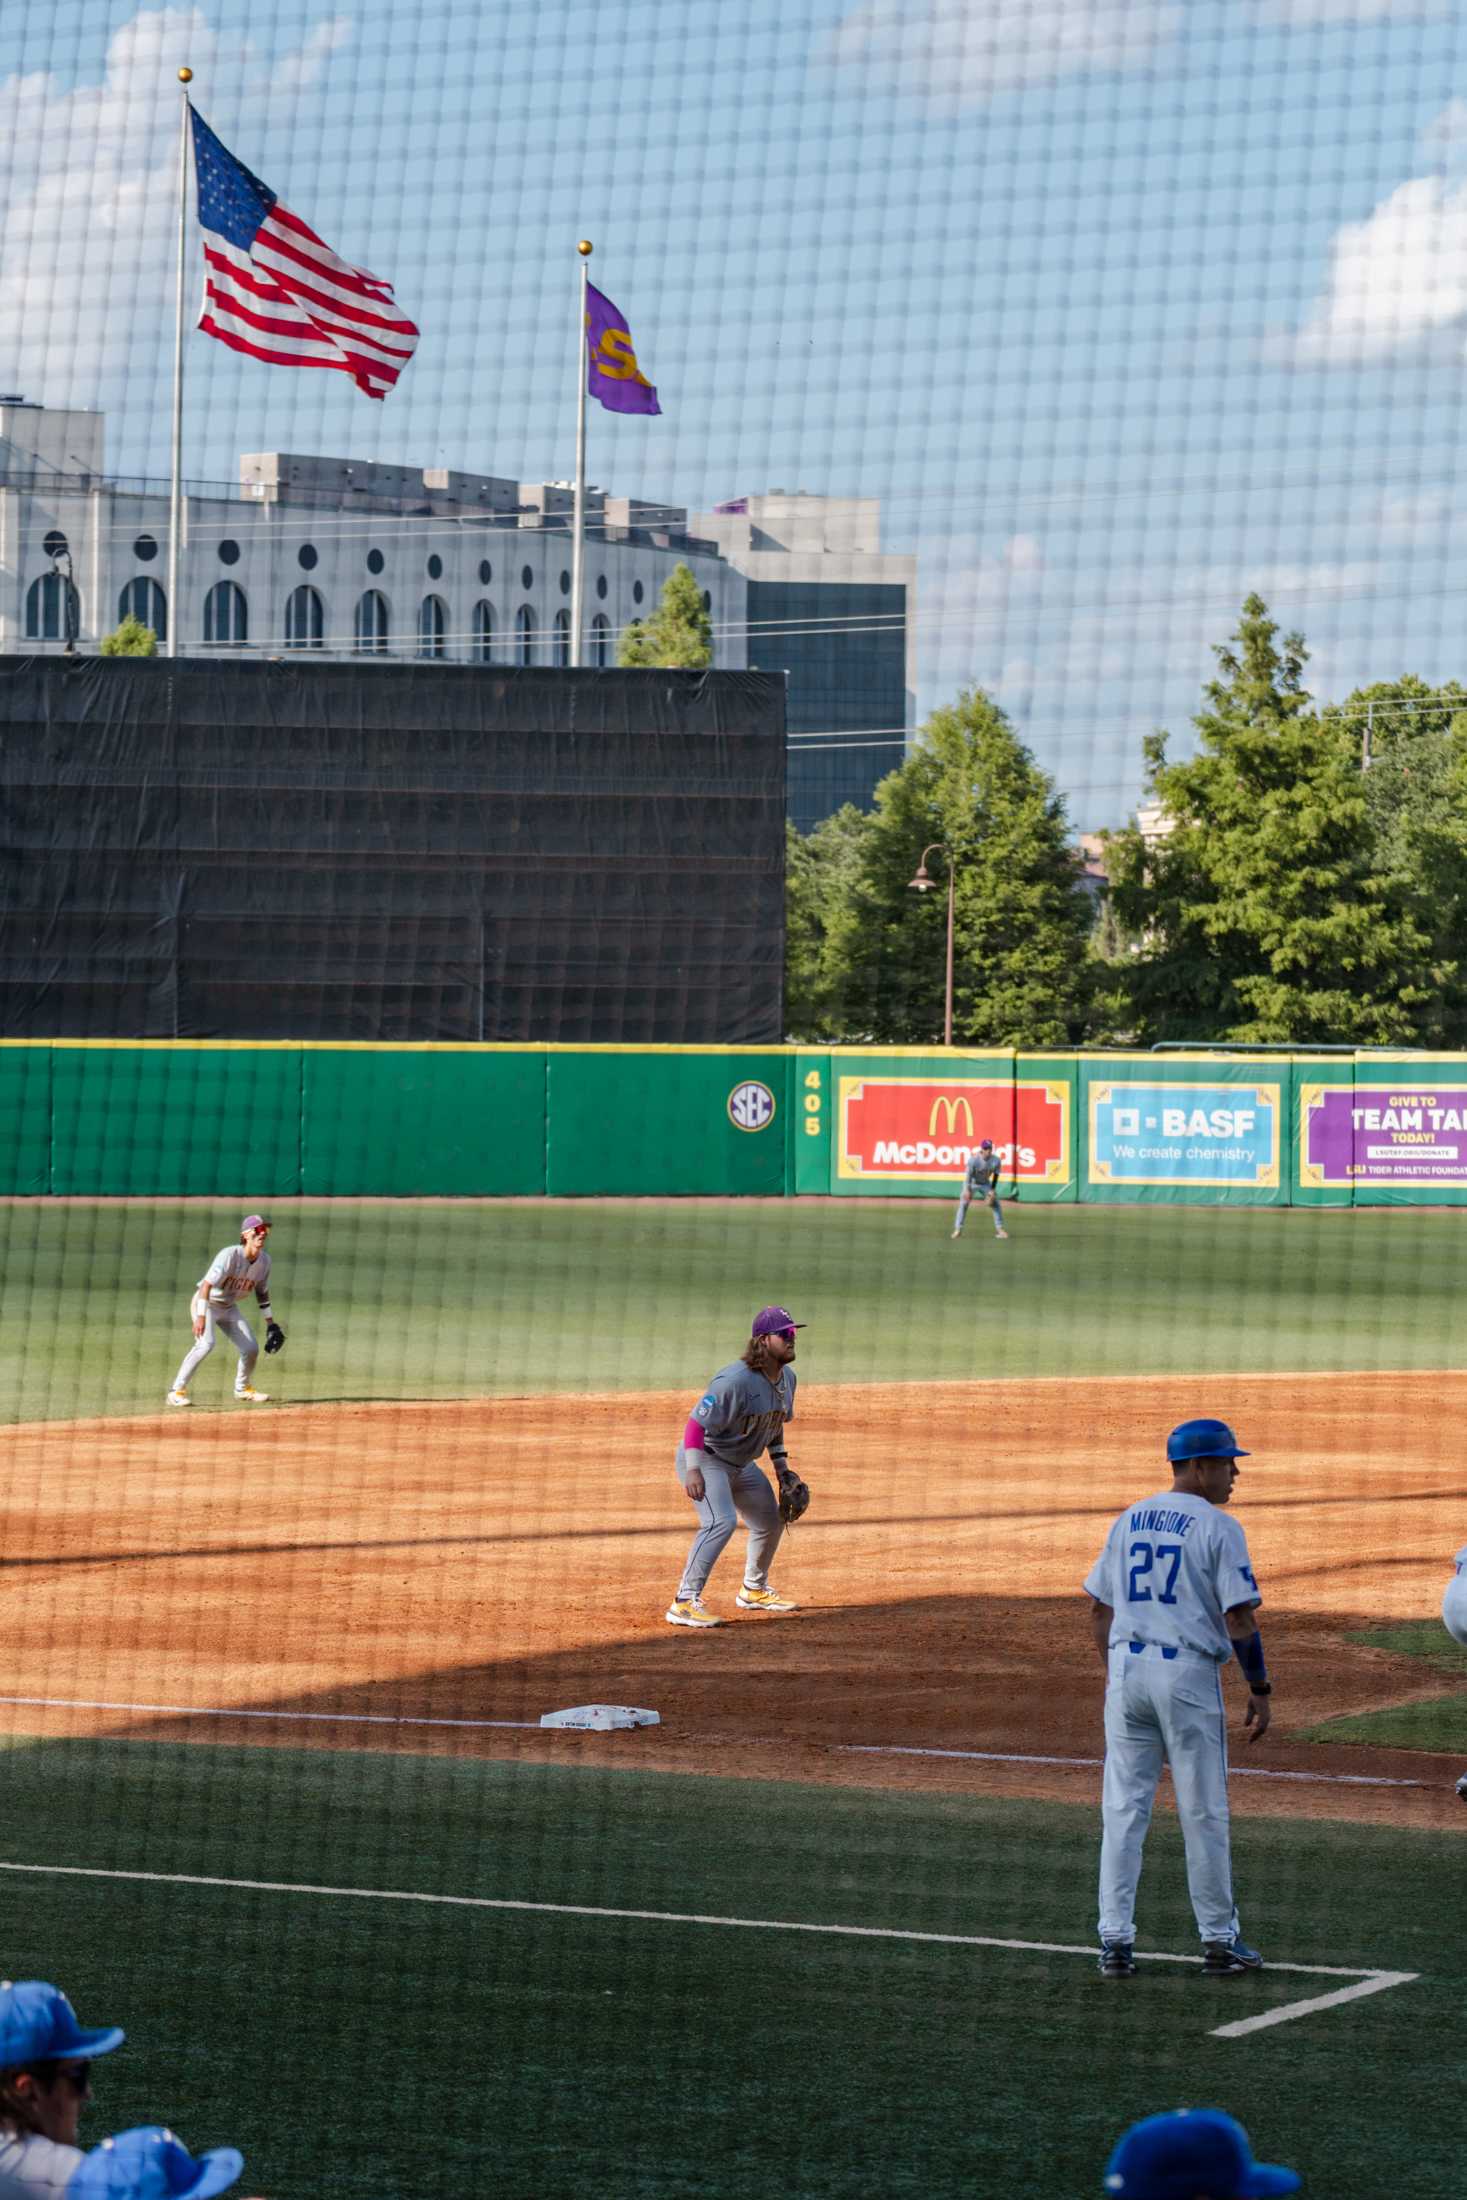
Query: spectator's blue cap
x=150 y=2164
x=770 y=1320
x=1188 y=2154
x=38 y=2024
x=1203 y=1440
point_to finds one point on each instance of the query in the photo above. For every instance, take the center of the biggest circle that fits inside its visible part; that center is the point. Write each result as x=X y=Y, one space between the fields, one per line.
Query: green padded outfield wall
x=25 y=1120
x=900 y=1122
x=169 y=1120
x=421 y=1122
x=663 y=1120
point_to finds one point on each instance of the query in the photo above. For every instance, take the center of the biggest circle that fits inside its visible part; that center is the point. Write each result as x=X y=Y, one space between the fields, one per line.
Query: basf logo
x=751 y=1106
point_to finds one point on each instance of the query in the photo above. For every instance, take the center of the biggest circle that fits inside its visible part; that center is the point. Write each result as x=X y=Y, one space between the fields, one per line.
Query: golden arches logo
x=943 y=1105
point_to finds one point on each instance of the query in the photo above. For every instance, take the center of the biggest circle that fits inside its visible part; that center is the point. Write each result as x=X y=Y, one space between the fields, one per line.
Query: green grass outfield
x=402 y=2050
x=407 y=1299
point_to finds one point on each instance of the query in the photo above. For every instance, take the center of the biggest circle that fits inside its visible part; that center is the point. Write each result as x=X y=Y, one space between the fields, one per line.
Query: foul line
x=752 y=1741
x=1366 y=1981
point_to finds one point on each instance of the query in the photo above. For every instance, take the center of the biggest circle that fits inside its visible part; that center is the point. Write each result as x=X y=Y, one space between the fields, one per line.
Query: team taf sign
x=1383 y=1135
x=1184 y=1133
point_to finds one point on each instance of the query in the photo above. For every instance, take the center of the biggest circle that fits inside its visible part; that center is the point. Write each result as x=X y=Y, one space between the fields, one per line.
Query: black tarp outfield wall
x=372 y=851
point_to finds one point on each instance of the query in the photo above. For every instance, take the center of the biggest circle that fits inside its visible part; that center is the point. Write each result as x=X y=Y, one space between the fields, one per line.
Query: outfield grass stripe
x=1020 y=1757
x=1379 y=1982
x=232 y=1711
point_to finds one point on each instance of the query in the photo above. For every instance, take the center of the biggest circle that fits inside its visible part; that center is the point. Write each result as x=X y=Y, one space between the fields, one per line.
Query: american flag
x=274 y=290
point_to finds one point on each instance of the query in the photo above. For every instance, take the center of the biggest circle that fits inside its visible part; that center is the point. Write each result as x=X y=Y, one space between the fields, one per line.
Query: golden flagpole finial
x=185 y=76
x=584 y=248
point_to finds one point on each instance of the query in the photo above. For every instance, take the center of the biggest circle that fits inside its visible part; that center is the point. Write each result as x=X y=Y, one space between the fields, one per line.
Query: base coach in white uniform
x=1174 y=1599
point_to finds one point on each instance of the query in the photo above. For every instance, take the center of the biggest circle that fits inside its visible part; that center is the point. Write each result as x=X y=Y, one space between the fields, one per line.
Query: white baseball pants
x=240 y=1335
x=1454 y=1608
x=730 y=1494
x=1165 y=1710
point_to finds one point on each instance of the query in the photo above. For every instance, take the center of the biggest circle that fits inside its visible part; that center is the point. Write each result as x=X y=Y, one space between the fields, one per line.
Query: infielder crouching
x=1174 y=1599
x=742 y=1412
x=233 y=1274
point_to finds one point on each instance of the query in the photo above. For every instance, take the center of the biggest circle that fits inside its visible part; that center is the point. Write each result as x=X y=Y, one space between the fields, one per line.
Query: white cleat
x=249 y=1397
x=179 y=1398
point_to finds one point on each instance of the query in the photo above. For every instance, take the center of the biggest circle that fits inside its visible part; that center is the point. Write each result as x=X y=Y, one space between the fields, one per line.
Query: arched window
x=562 y=637
x=431 y=622
x=524 y=635
x=46 y=605
x=370 y=628
x=305 y=620
x=144 y=600
x=484 y=633
x=601 y=639
x=226 y=614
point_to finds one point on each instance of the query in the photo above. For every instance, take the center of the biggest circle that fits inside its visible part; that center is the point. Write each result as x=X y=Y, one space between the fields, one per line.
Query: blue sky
x=1122 y=307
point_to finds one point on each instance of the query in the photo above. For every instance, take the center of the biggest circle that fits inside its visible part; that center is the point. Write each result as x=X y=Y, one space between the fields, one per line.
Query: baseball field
x=276 y=1796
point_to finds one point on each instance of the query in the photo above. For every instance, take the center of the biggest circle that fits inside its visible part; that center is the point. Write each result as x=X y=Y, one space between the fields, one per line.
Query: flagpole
x=578 y=524
x=175 y=493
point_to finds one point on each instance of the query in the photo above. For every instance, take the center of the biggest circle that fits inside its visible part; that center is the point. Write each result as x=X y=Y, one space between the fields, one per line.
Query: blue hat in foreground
x=1203 y=1440
x=150 y=2164
x=38 y=2024
x=1187 y=2154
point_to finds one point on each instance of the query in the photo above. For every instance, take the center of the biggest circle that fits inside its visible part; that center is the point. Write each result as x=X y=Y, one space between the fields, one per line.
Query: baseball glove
x=985 y=1197
x=794 y=1496
x=274 y=1336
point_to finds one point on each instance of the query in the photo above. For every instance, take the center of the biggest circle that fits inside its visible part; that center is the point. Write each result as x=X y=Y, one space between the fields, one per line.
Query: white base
x=600 y=1718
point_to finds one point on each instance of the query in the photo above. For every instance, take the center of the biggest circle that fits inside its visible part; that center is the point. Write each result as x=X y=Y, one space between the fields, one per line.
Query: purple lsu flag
x=612 y=373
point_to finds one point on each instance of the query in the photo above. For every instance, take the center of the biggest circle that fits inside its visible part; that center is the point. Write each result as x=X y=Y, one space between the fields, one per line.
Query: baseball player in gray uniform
x=741 y=1414
x=234 y=1272
x=980 y=1181
x=1173 y=1601
x=1454 y=1619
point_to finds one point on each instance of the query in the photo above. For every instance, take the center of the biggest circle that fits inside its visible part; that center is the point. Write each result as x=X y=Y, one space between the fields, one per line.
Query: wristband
x=1250 y=1657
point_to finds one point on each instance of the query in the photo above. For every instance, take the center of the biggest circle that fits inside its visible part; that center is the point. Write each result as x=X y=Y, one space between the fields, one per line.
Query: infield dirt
x=489 y=1561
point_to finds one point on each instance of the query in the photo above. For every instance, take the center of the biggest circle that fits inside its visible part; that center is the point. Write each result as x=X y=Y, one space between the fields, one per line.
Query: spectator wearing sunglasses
x=740 y=1415
x=45 y=2067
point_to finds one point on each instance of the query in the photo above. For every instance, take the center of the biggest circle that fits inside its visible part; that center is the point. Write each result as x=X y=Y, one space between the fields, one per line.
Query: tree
x=679 y=631
x=1264 y=910
x=870 y=961
x=130 y=639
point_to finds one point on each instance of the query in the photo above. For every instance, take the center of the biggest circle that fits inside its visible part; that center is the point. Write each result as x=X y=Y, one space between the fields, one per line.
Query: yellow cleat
x=179 y=1398
x=250 y=1397
x=764 y=1600
x=691 y=1612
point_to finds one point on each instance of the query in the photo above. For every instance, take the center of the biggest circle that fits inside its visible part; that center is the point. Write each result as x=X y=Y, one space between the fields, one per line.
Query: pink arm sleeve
x=693 y=1435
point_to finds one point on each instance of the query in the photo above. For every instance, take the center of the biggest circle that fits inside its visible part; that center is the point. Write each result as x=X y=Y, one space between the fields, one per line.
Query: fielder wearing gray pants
x=730 y=1494
x=240 y=1335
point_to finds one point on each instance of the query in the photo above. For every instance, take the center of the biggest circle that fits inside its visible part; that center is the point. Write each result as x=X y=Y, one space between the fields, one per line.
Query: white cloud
x=1447 y=130
x=89 y=203
x=958 y=53
x=1395 y=278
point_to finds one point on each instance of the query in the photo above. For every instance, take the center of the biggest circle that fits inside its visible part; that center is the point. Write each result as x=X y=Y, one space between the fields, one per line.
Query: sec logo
x=750 y=1106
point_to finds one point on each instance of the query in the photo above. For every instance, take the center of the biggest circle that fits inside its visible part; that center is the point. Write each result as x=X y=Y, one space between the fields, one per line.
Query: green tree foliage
x=1266 y=913
x=869 y=953
x=130 y=639
x=679 y=631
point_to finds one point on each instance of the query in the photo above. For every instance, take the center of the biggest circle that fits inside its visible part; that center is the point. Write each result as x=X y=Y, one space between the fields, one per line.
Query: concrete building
x=353 y=558
x=328 y=554
x=827 y=605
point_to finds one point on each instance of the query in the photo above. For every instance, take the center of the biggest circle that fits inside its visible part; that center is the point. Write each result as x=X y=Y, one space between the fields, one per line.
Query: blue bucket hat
x=150 y=2164
x=1203 y=1440
x=38 y=2024
x=1187 y=2154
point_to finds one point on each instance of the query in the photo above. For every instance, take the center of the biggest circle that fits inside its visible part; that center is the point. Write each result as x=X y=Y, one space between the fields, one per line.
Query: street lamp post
x=922 y=883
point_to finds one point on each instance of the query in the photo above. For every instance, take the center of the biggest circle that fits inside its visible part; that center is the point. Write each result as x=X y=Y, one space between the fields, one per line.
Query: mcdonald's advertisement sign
x=916 y=1131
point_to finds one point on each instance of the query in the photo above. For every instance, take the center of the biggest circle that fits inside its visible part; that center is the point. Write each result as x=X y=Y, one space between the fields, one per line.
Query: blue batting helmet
x=1203 y=1440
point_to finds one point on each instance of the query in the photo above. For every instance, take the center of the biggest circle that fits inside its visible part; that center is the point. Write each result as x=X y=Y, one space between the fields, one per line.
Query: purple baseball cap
x=254 y=1222
x=38 y=2024
x=150 y=2164
x=769 y=1321
x=1192 y=2154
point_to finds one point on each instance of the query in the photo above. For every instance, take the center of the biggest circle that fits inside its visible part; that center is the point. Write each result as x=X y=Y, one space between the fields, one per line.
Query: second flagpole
x=578 y=523
x=173 y=609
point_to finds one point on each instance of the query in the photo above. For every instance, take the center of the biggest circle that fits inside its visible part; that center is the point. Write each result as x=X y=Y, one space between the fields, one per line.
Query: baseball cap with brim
x=150 y=2164
x=254 y=1222
x=38 y=2024
x=1190 y=2154
x=771 y=1319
